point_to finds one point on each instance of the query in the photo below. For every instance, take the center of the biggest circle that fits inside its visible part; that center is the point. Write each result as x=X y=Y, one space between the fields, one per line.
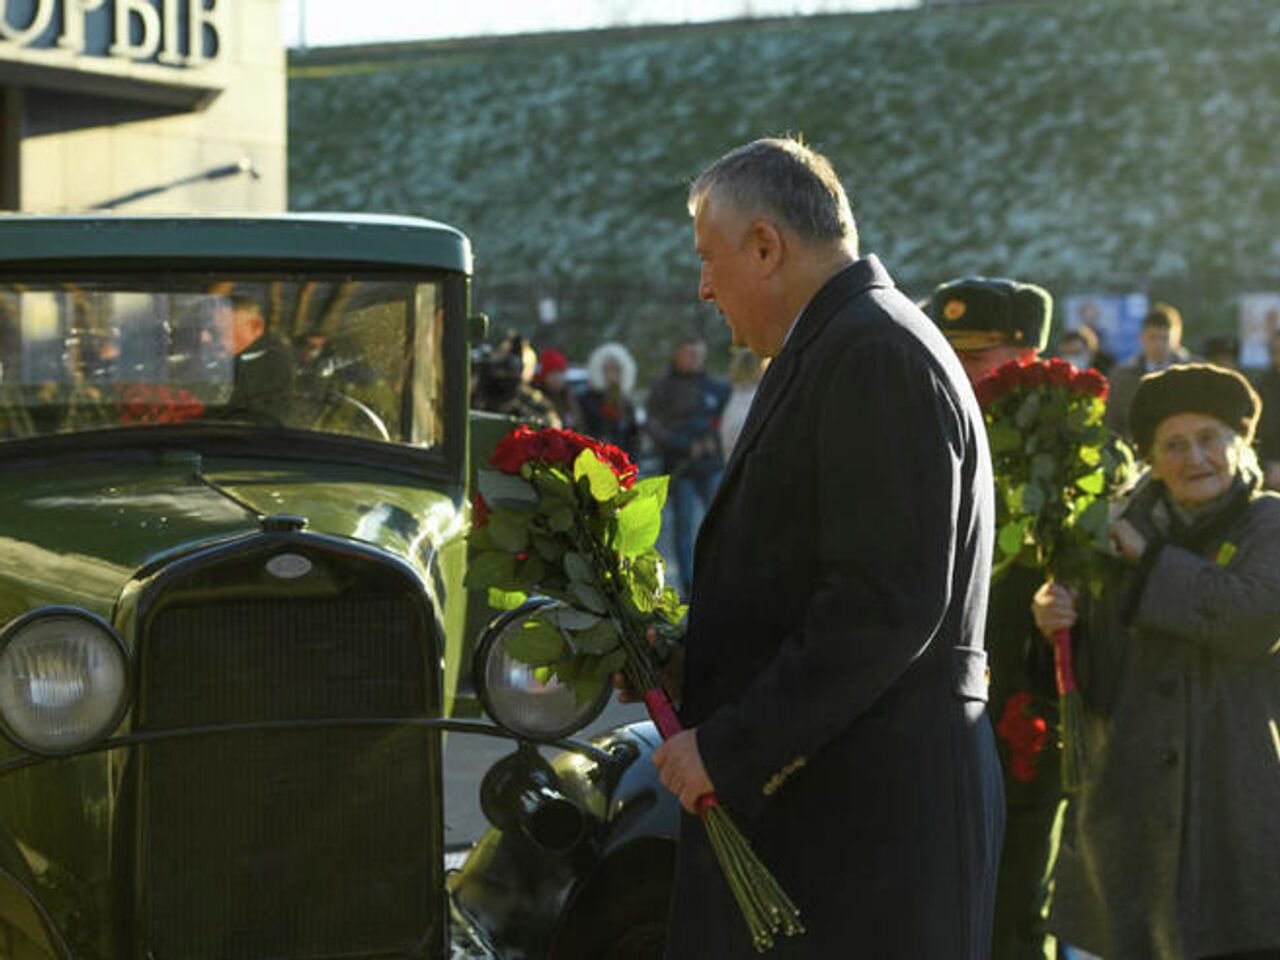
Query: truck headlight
x=512 y=694
x=63 y=680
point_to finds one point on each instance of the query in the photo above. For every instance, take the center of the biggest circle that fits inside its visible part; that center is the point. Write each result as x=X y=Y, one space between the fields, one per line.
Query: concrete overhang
x=190 y=88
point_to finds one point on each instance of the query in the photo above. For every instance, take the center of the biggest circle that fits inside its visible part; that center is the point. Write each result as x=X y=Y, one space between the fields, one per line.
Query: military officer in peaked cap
x=990 y=321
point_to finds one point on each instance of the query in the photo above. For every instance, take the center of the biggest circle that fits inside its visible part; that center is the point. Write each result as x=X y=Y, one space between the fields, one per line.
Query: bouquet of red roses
x=1055 y=466
x=564 y=516
x=157 y=403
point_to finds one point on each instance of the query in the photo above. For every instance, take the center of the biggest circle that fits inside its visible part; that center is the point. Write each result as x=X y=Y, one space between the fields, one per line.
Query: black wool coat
x=835 y=669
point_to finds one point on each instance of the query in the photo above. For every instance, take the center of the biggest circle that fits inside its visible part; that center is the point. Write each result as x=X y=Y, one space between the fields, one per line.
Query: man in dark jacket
x=684 y=408
x=1161 y=340
x=263 y=367
x=834 y=681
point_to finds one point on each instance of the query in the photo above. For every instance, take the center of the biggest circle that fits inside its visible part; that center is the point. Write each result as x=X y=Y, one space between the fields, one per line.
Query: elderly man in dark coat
x=835 y=682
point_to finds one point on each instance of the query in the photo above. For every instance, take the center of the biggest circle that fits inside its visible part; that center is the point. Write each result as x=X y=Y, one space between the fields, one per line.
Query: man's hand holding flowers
x=680 y=768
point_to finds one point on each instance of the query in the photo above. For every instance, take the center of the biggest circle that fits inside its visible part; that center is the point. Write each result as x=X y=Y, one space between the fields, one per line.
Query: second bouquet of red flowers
x=564 y=516
x=1055 y=466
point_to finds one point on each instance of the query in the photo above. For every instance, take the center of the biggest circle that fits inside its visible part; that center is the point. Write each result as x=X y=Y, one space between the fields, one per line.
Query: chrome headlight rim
x=15 y=627
x=479 y=675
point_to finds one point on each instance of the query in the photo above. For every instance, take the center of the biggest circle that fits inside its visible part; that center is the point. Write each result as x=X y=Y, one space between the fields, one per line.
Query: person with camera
x=504 y=383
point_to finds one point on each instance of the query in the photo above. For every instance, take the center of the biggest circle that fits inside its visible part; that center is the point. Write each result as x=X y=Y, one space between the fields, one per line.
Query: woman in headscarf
x=1172 y=845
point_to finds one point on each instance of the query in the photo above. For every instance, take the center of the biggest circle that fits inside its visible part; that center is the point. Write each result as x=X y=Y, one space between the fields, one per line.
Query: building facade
x=144 y=106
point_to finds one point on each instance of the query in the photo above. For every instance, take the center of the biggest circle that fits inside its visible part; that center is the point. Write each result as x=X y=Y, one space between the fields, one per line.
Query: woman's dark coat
x=1173 y=848
x=835 y=670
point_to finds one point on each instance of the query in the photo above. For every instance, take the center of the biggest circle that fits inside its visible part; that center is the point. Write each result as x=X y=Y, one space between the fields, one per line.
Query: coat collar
x=857 y=277
x=851 y=281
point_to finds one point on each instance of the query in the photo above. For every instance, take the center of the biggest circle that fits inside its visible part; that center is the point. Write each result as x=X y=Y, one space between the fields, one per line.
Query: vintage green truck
x=234 y=483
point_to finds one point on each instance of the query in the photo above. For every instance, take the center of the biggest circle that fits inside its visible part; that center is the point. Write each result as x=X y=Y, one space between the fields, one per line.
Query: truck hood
x=76 y=532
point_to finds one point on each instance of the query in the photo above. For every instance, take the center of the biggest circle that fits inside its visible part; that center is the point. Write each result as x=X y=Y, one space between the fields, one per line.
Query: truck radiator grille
x=299 y=844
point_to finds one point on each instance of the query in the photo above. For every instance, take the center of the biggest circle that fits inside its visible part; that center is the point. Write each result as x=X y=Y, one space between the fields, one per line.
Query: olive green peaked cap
x=980 y=312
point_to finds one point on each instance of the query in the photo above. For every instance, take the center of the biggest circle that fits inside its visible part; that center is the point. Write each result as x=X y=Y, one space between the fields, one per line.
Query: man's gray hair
x=784 y=180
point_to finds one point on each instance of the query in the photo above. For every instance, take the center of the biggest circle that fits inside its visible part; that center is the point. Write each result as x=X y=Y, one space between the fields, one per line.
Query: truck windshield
x=346 y=355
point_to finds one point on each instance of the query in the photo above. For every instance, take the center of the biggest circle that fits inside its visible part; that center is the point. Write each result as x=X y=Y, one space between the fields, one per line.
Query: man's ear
x=765 y=244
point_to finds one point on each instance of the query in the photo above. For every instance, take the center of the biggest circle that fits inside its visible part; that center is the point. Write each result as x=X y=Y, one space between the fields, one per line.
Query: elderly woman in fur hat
x=1172 y=846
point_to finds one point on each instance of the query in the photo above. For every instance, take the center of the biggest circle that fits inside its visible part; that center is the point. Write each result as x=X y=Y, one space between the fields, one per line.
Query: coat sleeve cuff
x=732 y=759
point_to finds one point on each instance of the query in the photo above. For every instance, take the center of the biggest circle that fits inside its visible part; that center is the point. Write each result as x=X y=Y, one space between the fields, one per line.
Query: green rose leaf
x=549 y=548
x=639 y=523
x=1027 y=411
x=492 y=569
x=587 y=687
x=600 y=479
x=1095 y=436
x=503 y=490
x=1043 y=466
x=1094 y=483
x=600 y=638
x=611 y=663
x=1095 y=520
x=578 y=568
x=560 y=519
x=555 y=483
x=506 y=599
x=1012 y=537
x=479 y=539
x=536 y=644
x=1033 y=498
x=531 y=569
x=569 y=618
x=509 y=530
x=588 y=596
x=654 y=488
x=1003 y=437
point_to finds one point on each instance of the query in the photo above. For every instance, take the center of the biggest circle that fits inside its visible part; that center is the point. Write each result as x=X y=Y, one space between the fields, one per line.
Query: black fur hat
x=1193 y=388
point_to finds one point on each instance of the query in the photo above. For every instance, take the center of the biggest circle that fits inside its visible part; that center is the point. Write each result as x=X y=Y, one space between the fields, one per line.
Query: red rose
x=559 y=448
x=555 y=447
x=1091 y=383
x=479 y=511
x=1023 y=768
x=1061 y=373
x=1025 y=733
x=996 y=384
x=987 y=392
x=1035 y=374
x=513 y=450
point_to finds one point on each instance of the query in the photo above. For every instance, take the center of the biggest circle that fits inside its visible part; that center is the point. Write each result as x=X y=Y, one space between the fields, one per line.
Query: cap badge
x=954 y=310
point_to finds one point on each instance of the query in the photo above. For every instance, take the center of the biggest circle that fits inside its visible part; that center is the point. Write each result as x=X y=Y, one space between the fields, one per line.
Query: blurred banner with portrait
x=1259 y=319
x=1115 y=317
